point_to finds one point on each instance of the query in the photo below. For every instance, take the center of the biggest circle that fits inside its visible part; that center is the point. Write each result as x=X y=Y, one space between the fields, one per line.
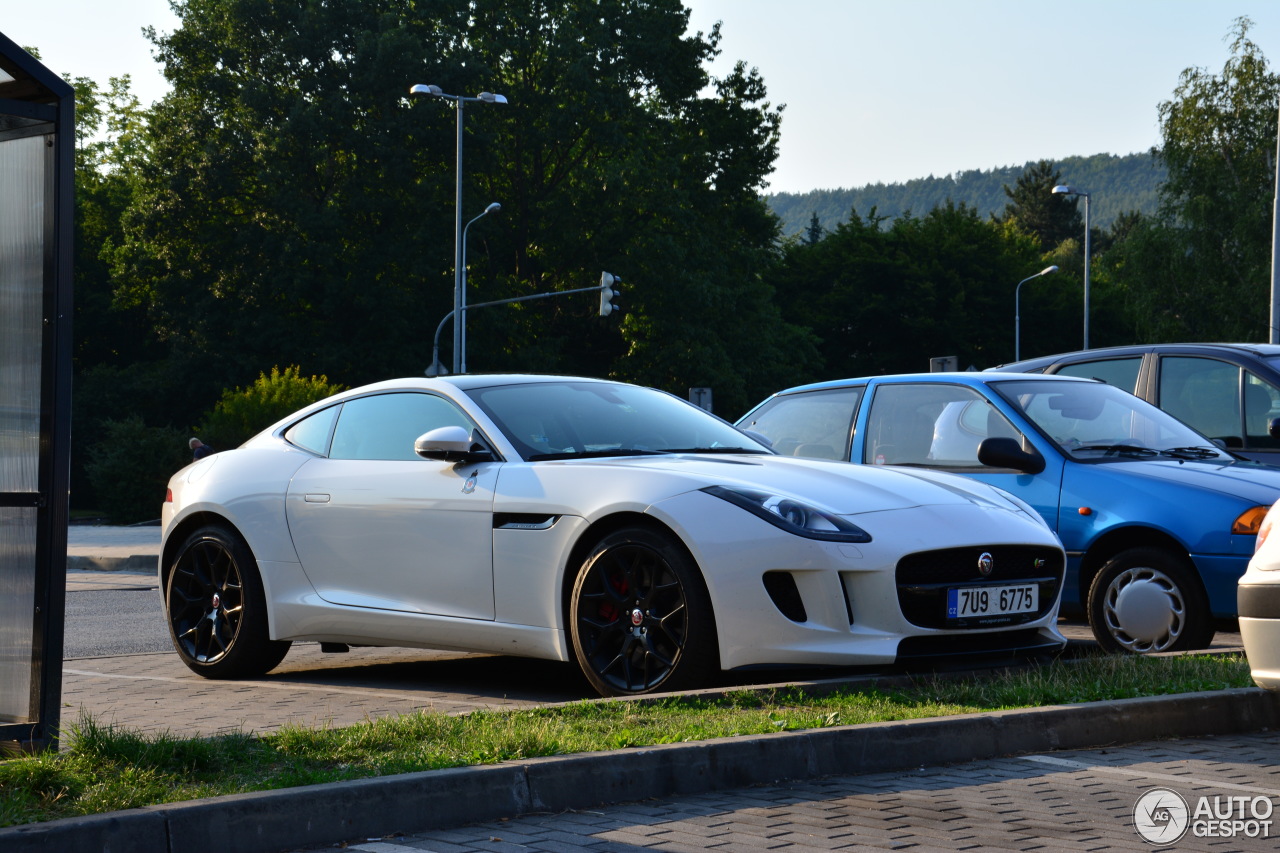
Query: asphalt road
x=122 y=616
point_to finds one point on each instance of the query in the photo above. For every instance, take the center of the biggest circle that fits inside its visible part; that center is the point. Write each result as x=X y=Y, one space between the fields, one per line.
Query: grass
x=107 y=767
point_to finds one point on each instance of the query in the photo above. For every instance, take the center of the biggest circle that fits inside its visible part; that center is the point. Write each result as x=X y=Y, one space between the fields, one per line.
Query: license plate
x=992 y=600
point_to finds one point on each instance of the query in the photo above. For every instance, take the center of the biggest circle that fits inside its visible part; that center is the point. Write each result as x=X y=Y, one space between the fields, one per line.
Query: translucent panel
x=22 y=213
x=17 y=606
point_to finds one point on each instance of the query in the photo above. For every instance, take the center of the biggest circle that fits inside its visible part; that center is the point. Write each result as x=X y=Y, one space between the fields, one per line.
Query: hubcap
x=1144 y=610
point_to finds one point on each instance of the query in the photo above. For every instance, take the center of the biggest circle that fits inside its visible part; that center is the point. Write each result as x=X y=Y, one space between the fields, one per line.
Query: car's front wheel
x=1148 y=600
x=640 y=616
x=216 y=607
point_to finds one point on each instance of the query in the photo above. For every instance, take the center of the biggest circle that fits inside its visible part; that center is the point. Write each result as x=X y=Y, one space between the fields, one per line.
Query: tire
x=641 y=618
x=1148 y=600
x=216 y=609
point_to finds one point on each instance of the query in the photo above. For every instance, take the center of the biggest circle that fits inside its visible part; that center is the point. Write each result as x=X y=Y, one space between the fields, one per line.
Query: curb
x=135 y=563
x=270 y=821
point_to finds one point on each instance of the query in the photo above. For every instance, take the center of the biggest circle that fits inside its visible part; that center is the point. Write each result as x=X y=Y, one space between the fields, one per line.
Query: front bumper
x=1259 y=606
x=780 y=599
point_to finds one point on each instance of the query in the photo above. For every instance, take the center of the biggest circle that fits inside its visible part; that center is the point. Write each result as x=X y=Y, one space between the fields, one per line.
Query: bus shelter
x=37 y=138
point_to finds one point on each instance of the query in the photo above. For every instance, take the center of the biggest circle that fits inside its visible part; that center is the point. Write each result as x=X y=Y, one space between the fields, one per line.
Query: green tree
x=1033 y=206
x=297 y=207
x=244 y=412
x=886 y=299
x=130 y=466
x=1200 y=270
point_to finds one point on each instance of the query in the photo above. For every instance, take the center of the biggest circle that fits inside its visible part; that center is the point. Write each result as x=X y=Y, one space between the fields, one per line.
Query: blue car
x=1157 y=520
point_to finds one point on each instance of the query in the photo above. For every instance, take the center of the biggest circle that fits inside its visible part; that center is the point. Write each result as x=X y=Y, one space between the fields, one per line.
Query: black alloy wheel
x=641 y=617
x=216 y=608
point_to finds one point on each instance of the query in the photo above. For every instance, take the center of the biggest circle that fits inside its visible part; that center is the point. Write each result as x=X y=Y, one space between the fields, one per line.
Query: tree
x=297 y=207
x=1211 y=243
x=244 y=412
x=886 y=299
x=814 y=232
x=1037 y=210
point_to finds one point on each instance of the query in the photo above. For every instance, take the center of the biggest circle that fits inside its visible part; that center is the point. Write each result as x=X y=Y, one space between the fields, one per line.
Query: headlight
x=792 y=516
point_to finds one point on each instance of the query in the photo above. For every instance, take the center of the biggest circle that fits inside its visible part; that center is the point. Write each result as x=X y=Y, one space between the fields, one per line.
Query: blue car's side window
x=931 y=425
x=817 y=424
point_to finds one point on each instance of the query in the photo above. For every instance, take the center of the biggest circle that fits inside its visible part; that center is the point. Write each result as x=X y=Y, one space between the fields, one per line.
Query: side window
x=1120 y=372
x=933 y=425
x=1204 y=393
x=816 y=424
x=385 y=426
x=1261 y=404
x=313 y=432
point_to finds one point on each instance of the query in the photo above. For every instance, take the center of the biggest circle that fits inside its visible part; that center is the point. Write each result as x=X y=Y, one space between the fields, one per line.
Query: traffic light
x=609 y=285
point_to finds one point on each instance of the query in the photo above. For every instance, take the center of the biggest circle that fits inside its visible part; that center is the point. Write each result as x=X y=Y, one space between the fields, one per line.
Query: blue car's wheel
x=1147 y=600
x=216 y=609
x=640 y=616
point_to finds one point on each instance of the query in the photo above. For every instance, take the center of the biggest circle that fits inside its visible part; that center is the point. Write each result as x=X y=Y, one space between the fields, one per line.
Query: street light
x=436 y=368
x=1063 y=189
x=1017 y=314
x=459 y=297
x=460 y=320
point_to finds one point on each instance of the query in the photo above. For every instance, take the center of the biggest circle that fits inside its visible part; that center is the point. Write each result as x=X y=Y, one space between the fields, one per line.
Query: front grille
x=923 y=579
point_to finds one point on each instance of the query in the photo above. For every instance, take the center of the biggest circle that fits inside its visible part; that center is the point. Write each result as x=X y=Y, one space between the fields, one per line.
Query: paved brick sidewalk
x=1072 y=800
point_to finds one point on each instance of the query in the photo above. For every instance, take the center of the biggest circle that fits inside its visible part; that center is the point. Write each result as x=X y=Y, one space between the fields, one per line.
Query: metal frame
x=37 y=101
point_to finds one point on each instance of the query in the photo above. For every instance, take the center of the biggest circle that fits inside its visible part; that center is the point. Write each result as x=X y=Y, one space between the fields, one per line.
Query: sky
x=876 y=91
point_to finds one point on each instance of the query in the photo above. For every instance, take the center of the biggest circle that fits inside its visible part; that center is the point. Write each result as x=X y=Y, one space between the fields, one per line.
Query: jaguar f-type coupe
x=613 y=525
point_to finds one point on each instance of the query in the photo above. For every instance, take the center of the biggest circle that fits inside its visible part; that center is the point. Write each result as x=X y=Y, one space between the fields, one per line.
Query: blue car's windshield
x=564 y=420
x=1090 y=421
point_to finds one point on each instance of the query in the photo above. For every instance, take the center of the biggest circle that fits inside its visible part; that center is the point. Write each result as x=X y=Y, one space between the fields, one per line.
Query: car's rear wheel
x=640 y=616
x=216 y=608
x=1148 y=600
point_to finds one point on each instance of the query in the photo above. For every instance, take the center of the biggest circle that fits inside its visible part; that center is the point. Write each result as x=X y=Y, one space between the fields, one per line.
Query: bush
x=131 y=467
x=244 y=412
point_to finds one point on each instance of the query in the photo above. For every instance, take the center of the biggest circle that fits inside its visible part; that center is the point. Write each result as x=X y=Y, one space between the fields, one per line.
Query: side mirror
x=450 y=444
x=1002 y=452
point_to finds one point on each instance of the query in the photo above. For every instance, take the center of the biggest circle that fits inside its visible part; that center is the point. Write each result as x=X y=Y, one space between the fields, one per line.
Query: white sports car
x=563 y=518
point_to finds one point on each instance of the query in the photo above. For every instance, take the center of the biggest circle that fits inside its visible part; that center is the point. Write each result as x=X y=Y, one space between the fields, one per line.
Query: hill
x=1116 y=184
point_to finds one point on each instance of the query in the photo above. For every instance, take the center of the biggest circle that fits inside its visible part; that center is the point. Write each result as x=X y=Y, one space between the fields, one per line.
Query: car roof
x=1242 y=349
x=952 y=378
x=467 y=381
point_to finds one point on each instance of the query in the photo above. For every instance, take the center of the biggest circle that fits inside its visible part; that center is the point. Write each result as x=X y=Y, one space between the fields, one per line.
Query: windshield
x=565 y=420
x=1094 y=421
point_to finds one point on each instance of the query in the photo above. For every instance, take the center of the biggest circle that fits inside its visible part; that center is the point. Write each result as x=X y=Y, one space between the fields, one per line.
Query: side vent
x=781 y=587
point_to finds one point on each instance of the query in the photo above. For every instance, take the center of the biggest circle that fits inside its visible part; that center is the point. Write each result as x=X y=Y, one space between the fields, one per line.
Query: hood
x=841 y=487
x=1249 y=481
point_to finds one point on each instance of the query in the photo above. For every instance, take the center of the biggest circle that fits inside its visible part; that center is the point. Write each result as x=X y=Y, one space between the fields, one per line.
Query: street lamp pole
x=1017 y=312
x=1064 y=189
x=459 y=273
